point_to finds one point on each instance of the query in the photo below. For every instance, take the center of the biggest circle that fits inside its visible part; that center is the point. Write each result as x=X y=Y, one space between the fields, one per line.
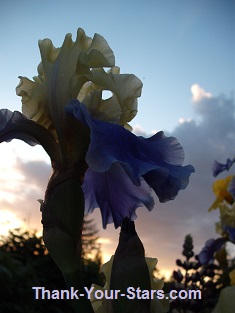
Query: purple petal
x=115 y=194
x=110 y=143
x=166 y=182
x=211 y=246
x=10 y=123
x=14 y=125
x=218 y=168
x=119 y=161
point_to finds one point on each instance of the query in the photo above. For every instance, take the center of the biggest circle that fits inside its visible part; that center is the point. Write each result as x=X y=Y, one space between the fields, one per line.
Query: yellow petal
x=220 y=189
x=62 y=73
x=221 y=185
x=121 y=107
x=106 y=269
x=156 y=284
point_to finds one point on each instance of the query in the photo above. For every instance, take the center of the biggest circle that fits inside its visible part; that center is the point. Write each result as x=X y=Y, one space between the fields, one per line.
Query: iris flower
x=92 y=138
x=93 y=153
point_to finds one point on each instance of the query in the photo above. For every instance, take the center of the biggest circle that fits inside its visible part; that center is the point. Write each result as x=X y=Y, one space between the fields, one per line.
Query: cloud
x=35 y=173
x=24 y=183
x=199 y=93
x=139 y=131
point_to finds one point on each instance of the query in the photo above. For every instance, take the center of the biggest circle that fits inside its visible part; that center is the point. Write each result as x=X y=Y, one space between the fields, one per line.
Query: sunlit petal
x=62 y=73
x=119 y=108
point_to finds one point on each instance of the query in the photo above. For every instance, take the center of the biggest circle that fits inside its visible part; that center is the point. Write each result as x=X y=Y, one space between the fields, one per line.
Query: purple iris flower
x=123 y=167
x=211 y=246
x=218 y=168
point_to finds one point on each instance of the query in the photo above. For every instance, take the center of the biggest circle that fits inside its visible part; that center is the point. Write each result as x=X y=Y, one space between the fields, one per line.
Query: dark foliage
x=25 y=263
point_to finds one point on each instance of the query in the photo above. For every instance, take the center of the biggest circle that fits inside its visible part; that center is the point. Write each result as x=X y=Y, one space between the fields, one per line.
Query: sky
x=184 y=53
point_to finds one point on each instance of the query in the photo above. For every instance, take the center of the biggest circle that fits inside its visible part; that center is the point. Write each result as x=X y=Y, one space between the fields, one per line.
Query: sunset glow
x=8 y=221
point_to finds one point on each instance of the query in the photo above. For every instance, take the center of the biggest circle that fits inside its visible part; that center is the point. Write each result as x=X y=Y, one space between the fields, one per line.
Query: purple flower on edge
x=211 y=246
x=218 y=168
x=122 y=167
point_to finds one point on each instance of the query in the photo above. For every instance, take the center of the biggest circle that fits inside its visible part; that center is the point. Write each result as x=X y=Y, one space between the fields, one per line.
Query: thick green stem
x=62 y=218
x=75 y=279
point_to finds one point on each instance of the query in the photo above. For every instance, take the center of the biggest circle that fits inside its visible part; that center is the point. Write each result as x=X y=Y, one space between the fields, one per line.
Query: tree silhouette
x=25 y=263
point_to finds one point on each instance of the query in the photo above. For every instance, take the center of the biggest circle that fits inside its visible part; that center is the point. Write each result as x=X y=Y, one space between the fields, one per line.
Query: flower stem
x=75 y=279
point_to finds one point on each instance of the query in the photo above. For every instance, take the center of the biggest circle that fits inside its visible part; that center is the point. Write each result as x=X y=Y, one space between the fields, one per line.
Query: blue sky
x=170 y=46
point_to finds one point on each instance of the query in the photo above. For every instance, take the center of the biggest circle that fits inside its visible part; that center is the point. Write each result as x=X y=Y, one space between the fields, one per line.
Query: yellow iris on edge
x=220 y=189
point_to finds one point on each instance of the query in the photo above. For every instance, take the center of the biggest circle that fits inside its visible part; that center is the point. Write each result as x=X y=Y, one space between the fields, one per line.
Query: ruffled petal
x=115 y=195
x=166 y=182
x=121 y=107
x=119 y=161
x=110 y=143
x=62 y=73
x=14 y=125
